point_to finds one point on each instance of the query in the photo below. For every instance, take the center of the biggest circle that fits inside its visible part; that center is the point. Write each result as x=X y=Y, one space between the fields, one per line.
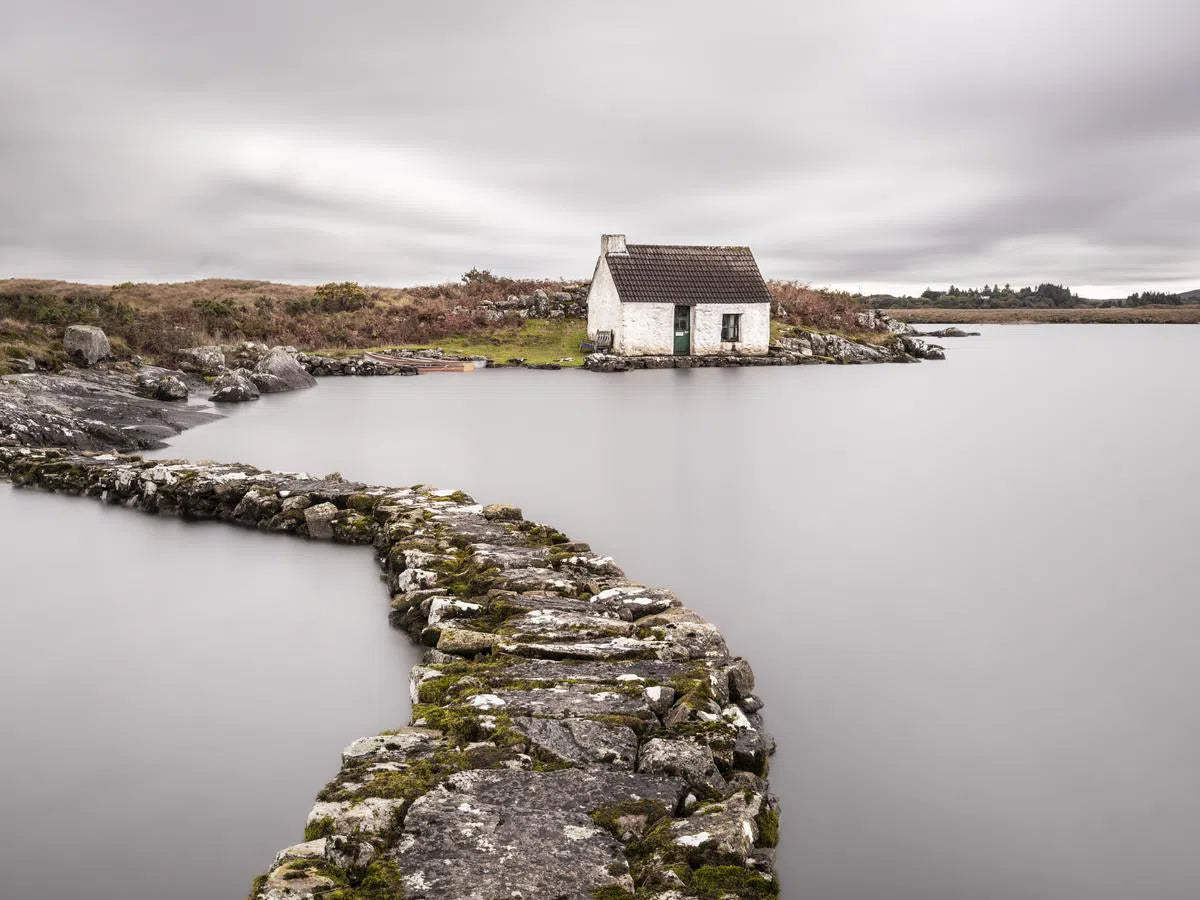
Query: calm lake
x=969 y=590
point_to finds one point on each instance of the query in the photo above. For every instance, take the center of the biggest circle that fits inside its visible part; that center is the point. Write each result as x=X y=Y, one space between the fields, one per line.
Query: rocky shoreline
x=574 y=735
x=807 y=348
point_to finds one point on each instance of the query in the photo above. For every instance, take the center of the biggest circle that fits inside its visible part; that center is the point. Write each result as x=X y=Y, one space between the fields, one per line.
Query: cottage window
x=731 y=327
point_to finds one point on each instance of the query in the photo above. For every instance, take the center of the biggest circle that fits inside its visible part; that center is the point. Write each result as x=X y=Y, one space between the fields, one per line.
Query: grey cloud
x=869 y=143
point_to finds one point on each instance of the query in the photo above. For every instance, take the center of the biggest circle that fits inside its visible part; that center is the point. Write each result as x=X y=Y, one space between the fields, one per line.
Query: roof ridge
x=696 y=246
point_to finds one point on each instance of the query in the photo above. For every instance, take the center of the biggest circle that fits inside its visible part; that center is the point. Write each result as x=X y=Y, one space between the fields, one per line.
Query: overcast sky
x=866 y=144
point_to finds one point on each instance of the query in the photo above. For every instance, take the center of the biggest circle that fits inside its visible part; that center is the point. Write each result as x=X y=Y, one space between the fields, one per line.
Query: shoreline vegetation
x=1112 y=315
x=572 y=732
x=536 y=321
x=540 y=321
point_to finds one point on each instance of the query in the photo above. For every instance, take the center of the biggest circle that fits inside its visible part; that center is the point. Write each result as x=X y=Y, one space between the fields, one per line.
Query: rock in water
x=157 y=385
x=285 y=374
x=234 y=387
x=201 y=360
x=86 y=344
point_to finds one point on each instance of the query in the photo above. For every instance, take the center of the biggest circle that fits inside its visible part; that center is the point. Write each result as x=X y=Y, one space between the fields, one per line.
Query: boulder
x=727 y=829
x=502 y=512
x=234 y=387
x=201 y=360
x=86 y=345
x=155 y=385
x=285 y=374
x=268 y=383
x=319 y=520
x=366 y=817
x=465 y=641
x=686 y=759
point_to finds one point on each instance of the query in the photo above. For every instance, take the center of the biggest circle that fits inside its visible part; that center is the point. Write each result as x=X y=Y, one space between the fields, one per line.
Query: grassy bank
x=1134 y=315
x=537 y=341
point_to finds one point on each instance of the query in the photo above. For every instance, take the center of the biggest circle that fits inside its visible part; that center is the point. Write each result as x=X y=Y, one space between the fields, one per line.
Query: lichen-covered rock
x=319 y=521
x=502 y=512
x=86 y=345
x=687 y=759
x=201 y=360
x=234 y=387
x=581 y=741
x=728 y=828
x=88 y=409
x=324 y=366
x=370 y=816
x=160 y=385
x=487 y=834
x=282 y=372
x=465 y=641
x=400 y=745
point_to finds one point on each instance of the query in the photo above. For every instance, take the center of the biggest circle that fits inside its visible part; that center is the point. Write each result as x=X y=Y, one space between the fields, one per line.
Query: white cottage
x=659 y=299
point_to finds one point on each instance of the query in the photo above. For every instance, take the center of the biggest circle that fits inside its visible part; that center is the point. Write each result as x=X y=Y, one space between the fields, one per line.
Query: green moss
x=444 y=688
x=456 y=497
x=768 y=827
x=496 y=612
x=542 y=535
x=256 y=887
x=309 y=868
x=606 y=816
x=714 y=882
x=380 y=881
x=611 y=892
x=417 y=778
x=463 y=576
x=462 y=725
x=361 y=502
x=318 y=829
x=650 y=633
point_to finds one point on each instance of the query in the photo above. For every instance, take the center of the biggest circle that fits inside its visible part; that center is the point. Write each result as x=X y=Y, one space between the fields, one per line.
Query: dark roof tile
x=662 y=273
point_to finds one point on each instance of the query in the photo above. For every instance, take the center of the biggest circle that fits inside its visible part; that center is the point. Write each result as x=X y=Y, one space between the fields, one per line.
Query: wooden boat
x=428 y=363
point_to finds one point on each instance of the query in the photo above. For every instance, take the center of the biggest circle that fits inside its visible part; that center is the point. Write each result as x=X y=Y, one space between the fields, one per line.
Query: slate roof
x=664 y=273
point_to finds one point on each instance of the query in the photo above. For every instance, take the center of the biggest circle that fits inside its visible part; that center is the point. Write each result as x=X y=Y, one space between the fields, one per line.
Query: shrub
x=796 y=303
x=344 y=297
x=216 y=309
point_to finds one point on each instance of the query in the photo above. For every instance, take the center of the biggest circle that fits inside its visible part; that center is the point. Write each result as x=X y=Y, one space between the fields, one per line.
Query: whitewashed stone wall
x=603 y=305
x=647 y=329
x=706 y=328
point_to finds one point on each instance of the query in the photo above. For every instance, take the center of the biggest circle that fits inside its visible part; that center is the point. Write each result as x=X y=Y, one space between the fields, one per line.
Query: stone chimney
x=612 y=243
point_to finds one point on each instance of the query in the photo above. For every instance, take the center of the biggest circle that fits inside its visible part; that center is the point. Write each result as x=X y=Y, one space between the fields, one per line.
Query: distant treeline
x=1044 y=296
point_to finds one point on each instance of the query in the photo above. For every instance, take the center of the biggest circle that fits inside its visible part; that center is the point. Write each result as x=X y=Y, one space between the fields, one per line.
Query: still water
x=969 y=590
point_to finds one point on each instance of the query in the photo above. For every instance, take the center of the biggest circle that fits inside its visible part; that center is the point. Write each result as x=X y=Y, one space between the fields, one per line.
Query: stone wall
x=574 y=735
x=569 y=303
x=801 y=348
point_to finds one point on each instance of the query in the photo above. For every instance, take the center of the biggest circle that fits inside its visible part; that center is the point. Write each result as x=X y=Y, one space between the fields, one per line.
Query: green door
x=683 y=330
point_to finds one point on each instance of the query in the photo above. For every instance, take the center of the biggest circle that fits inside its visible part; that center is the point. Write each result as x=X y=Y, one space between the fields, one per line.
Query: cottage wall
x=706 y=328
x=603 y=304
x=647 y=329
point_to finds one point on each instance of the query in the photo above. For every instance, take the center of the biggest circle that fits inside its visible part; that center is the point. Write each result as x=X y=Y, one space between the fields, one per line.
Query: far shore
x=1112 y=315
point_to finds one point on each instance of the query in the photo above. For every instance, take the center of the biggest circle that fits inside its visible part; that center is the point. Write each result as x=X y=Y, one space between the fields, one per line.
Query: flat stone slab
x=581 y=741
x=485 y=835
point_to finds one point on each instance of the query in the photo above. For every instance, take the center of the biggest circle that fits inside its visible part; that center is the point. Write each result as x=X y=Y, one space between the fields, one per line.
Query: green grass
x=537 y=341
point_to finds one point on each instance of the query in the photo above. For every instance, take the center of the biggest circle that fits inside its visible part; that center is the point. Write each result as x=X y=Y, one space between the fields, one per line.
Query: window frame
x=731 y=324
